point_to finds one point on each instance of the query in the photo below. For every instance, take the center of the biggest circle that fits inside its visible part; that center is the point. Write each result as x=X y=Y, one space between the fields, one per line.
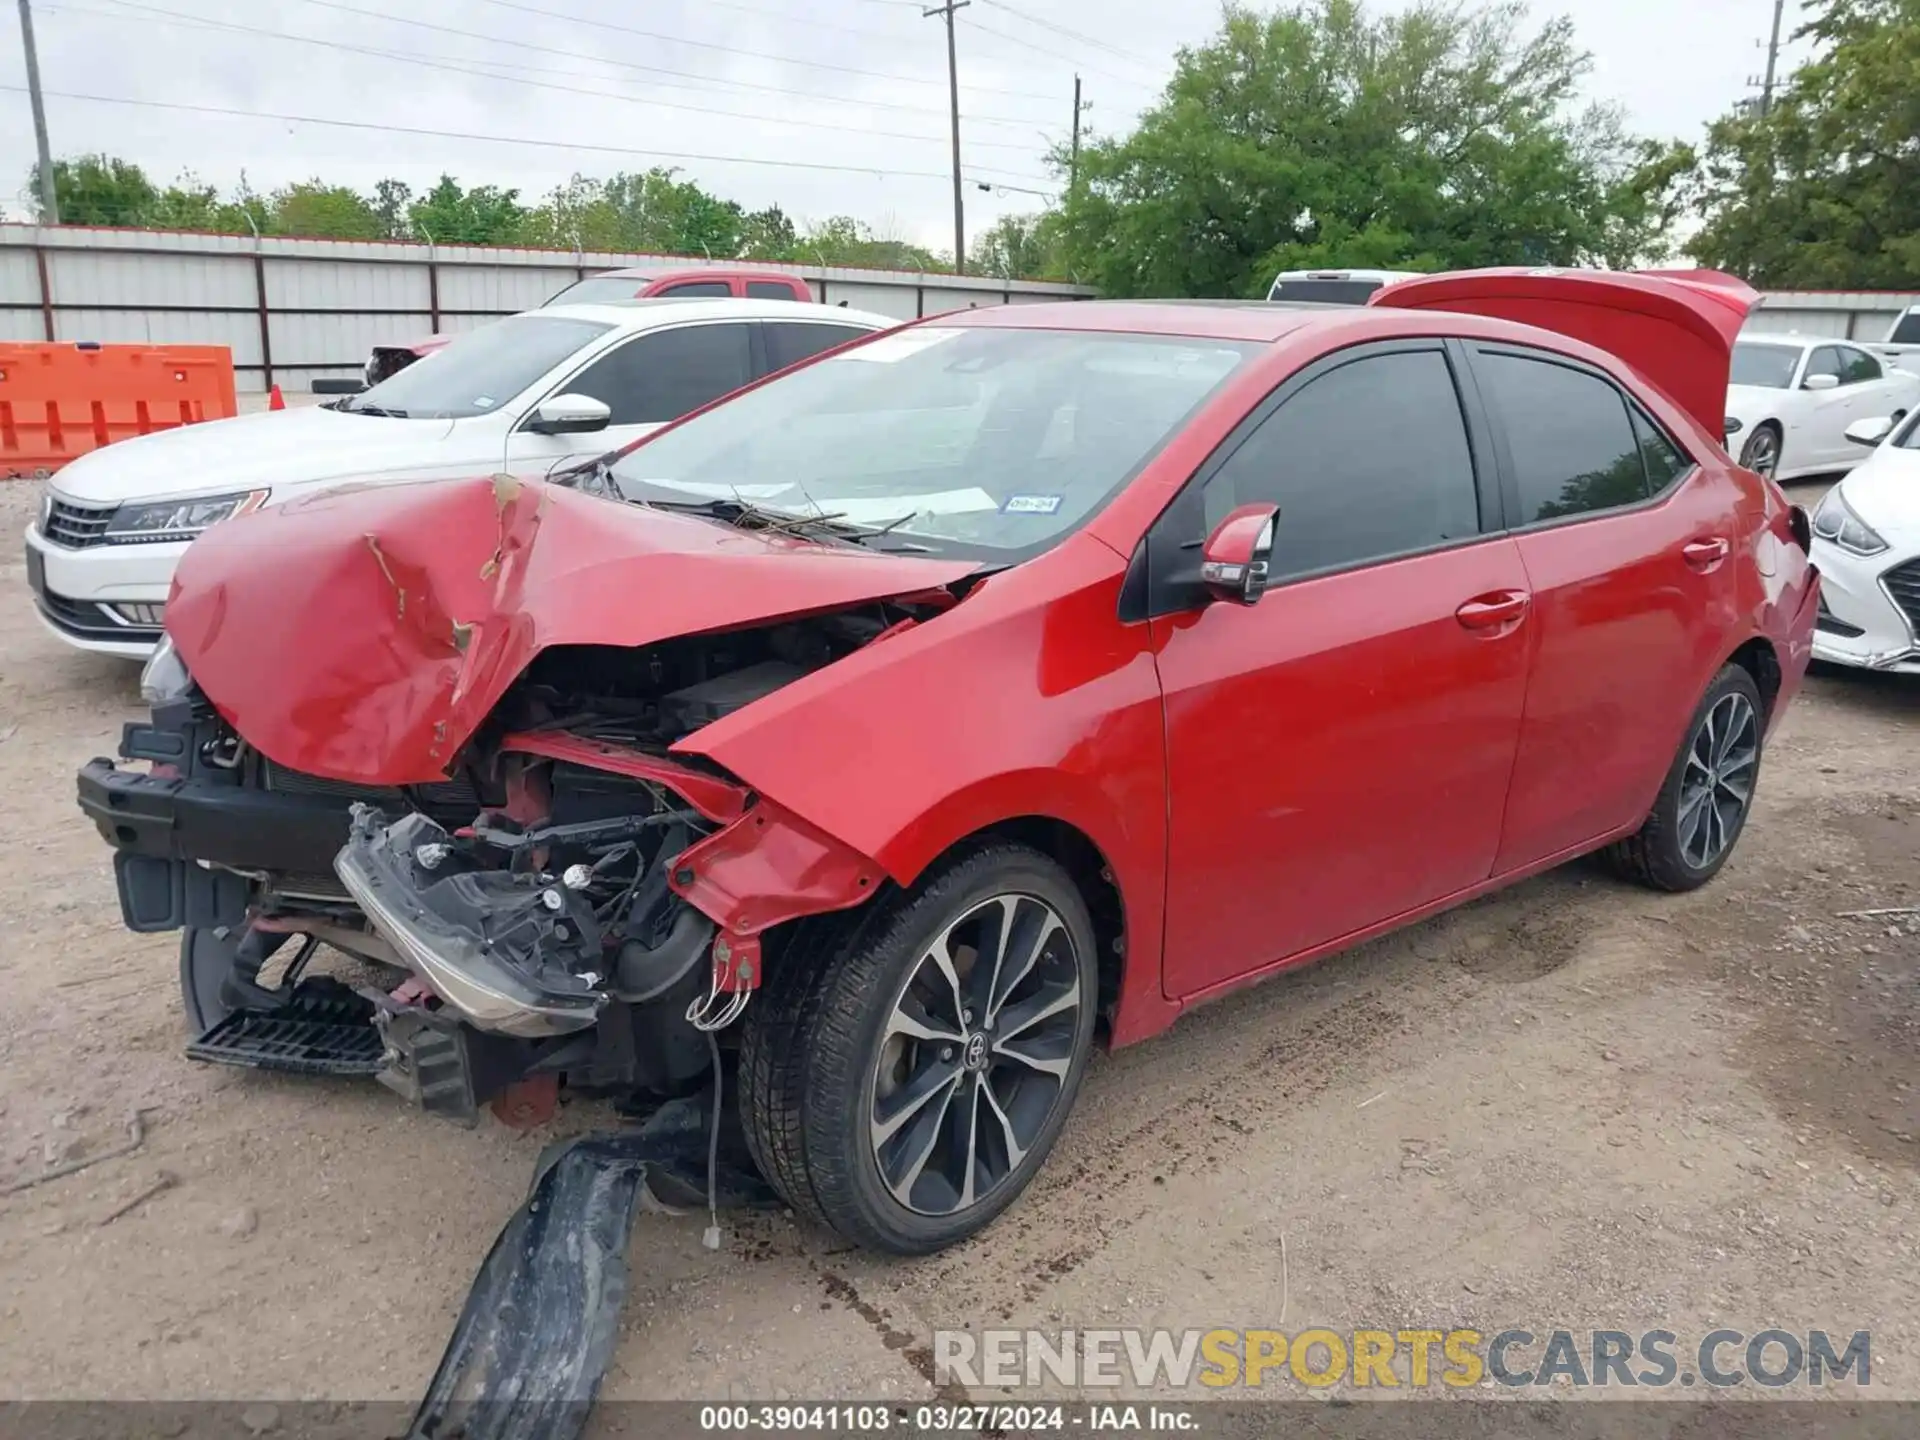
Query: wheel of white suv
x=903 y=1079
x=1703 y=804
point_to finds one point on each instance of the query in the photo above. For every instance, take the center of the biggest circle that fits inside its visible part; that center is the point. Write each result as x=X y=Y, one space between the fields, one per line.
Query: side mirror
x=569 y=415
x=1233 y=564
x=1820 y=382
x=1730 y=426
x=1870 y=432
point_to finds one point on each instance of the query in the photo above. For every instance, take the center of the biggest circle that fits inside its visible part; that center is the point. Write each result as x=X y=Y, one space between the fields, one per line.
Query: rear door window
x=1367 y=461
x=1570 y=441
x=1857 y=366
x=1907 y=330
x=769 y=290
x=689 y=289
x=789 y=344
x=660 y=377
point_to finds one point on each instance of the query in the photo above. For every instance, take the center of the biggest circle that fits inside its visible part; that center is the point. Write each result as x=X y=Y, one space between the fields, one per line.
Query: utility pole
x=1073 y=162
x=953 y=91
x=49 y=201
x=1773 y=58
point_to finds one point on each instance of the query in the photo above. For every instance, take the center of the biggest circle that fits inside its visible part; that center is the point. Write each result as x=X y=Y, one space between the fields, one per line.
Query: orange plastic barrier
x=60 y=400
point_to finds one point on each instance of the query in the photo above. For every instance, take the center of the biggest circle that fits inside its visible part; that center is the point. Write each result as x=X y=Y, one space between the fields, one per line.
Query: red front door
x=1338 y=753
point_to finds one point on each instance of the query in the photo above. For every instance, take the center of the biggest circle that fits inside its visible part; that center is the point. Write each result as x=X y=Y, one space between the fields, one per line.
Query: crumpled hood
x=365 y=633
x=276 y=448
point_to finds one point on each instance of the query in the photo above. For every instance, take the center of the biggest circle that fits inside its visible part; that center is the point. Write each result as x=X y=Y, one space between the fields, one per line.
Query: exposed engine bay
x=541 y=910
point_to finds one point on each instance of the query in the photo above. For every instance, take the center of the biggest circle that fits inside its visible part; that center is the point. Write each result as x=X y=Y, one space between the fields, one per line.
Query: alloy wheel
x=1716 y=786
x=1763 y=453
x=976 y=1054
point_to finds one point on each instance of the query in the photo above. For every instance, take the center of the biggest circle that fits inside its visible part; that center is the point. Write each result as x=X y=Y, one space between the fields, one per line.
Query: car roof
x=1789 y=339
x=637 y=315
x=660 y=272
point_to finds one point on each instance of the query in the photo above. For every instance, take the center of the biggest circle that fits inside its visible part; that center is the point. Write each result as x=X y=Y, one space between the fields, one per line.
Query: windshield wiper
x=747 y=516
x=347 y=409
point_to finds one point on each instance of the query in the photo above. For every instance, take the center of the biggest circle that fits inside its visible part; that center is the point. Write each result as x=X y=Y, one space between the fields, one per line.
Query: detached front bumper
x=184 y=847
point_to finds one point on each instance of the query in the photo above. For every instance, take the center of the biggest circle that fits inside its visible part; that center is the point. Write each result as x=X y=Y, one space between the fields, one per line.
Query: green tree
x=1824 y=190
x=1437 y=137
x=391 y=201
x=321 y=211
x=767 y=234
x=99 y=190
x=1019 y=247
x=451 y=215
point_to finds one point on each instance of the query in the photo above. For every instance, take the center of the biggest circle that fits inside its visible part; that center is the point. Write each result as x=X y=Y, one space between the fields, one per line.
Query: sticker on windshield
x=483 y=402
x=889 y=348
x=1030 y=505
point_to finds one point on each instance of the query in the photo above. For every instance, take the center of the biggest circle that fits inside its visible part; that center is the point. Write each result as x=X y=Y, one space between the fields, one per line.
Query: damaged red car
x=893 y=732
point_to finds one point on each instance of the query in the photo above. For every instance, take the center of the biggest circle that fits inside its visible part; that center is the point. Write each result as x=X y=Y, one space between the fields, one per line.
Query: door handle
x=1493 y=610
x=1704 y=555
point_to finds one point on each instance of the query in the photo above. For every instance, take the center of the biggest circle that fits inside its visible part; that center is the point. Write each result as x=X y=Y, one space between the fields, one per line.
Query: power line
x=668 y=39
x=462 y=68
x=1084 y=39
x=1052 y=52
x=877 y=171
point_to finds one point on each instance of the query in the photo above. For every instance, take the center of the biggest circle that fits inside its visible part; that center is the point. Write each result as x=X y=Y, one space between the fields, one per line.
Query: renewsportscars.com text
x=1393 y=1359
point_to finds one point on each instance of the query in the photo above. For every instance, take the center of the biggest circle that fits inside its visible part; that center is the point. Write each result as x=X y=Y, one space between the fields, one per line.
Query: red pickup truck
x=611 y=287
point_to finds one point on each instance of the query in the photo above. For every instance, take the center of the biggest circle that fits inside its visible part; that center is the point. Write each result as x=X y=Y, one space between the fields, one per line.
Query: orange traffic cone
x=275 y=400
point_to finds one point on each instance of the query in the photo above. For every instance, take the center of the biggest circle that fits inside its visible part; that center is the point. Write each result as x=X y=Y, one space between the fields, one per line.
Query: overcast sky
x=858 y=84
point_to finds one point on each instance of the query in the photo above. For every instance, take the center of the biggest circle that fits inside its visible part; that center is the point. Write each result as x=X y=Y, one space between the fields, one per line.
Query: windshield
x=480 y=371
x=1768 y=366
x=1324 y=292
x=600 y=290
x=987 y=442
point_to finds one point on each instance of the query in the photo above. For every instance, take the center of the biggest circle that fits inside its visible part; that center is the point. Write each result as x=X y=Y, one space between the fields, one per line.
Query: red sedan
x=915 y=718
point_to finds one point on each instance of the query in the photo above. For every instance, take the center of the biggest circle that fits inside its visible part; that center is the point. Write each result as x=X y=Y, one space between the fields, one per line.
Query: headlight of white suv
x=1834 y=521
x=164 y=676
x=179 y=519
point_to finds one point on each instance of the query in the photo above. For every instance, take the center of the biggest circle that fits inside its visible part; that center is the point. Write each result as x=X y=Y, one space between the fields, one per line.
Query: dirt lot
x=1573 y=1104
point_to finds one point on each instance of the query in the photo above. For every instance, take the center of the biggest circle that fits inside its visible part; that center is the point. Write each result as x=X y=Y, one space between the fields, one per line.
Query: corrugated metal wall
x=293 y=309
x=1844 y=314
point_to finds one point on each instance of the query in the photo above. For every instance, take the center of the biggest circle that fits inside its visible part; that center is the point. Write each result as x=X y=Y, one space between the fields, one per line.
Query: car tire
x=1701 y=812
x=831 y=1085
x=1762 y=449
x=206 y=962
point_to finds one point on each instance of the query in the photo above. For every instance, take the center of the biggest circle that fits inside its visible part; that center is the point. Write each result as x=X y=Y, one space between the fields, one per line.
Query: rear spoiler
x=1675 y=327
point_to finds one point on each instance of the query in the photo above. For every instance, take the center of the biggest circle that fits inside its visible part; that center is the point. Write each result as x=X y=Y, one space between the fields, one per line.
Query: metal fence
x=291 y=310
x=1843 y=314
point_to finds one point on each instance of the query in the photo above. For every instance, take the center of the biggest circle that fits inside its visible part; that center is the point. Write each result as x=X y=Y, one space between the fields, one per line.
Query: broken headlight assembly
x=1835 y=522
x=178 y=519
x=164 y=678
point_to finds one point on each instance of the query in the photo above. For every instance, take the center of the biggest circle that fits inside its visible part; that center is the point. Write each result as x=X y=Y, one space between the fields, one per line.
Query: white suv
x=526 y=395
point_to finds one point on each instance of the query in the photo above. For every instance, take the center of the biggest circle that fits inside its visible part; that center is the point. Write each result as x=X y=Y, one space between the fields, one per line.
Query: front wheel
x=903 y=1082
x=1702 y=808
x=1761 y=453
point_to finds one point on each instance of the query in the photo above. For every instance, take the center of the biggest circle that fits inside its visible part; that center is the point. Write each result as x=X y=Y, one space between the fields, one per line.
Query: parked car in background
x=524 y=395
x=1866 y=541
x=1332 y=287
x=1902 y=344
x=901 y=723
x=615 y=287
x=1792 y=398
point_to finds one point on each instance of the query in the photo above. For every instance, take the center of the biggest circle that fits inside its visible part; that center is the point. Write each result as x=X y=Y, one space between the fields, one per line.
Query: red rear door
x=1629 y=550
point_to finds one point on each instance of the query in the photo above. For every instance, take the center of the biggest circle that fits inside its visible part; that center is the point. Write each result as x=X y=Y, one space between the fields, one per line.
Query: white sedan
x=1866 y=541
x=1791 y=399
x=527 y=395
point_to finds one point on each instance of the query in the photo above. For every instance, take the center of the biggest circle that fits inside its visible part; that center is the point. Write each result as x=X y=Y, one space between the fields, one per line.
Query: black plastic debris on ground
x=538 y=1329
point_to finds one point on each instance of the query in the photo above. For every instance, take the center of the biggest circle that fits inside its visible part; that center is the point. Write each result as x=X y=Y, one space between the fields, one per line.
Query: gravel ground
x=1573 y=1104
